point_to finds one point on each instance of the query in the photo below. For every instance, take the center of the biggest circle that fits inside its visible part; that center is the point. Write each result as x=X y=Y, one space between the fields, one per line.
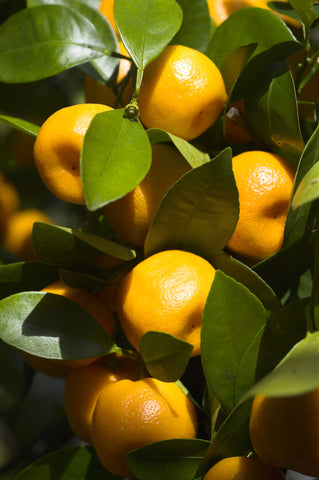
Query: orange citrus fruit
x=129 y=414
x=130 y=216
x=242 y=468
x=18 y=235
x=106 y=8
x=166 y=292
x=182 y=92
x=264 y=181
x=9 y=202
x=83 y=386
x=284 y=431
x=58 y=147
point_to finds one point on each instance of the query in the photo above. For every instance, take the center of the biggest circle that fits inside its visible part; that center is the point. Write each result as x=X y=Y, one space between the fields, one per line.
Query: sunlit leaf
x=308 y=189
x=20 y=124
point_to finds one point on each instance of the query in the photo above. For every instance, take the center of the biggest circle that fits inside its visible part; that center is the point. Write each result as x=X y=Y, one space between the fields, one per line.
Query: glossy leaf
x=61 y=36
x=296 y=374
x=76 y=462
x=195 y=31
x=51 y=326
x=194 y=156
x=298 y=218
x=165 y=356
x=146 y=27
x=20 y=124
x=271 y=110
x=232 y=326
x=106 y=65
x=116 y=156
x=174 y=459
x=22 y=276
x=199 y=213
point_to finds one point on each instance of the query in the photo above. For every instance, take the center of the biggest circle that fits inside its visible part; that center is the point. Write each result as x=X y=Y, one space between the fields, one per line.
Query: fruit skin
x=264 y=181
x=58 y=147
x=130 y=414
x=9 y=202
x=284 y=431
x=131 y=216
x=166 y=292
x=182 y=92
x=242 y=468
x=83 y=386
x=17 y=238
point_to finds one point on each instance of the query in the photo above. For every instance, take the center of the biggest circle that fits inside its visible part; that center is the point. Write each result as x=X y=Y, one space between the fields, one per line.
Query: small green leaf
x=146 y=27
x=116 y=156
x=51 y=326
x=165 y=356
x=76 y=463
x=308 y=189
x=20 y=124
x=61 y=36
x=232 y=326
x=296 y=374
x=199 y=213
x=195 y=157
x=195 y=31
x=170 y=459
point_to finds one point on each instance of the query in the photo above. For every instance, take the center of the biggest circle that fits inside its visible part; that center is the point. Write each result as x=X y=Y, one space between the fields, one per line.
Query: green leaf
x=195 y=157
x=305 y=11
x=231 y=440
x=170 y=459
x=51 y=326
x=308 y=189
x=195 y=31
x=81 y=280
x=284 y=8
x=232 y=327
x=12 y=381
x=61 y=36
x=165 y=356
x=106 y=65
x=296 y=374
x=20 y=124
x=76 y=463
x=298 y=218
x=271 y=109
x=199 y=213
x=116 y=156
x=234 y=63
x=21 y=276
x=146 y=27
x=56 y=245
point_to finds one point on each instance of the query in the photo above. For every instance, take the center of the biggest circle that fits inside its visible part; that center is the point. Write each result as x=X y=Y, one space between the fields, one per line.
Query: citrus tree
x=159 y=239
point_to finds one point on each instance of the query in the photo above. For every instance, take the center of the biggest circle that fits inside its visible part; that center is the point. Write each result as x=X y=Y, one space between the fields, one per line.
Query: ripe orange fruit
x=131 y=414
x=84 y=385
x=9 y=202
x=284 y=431
x=58 y=147
x=96 y=92
x=264 y=181
x=167 y=293
x=17 y=238
x=106 y=8
x=182 y=92
x=220 y=10
x=243 y=468
x=130 y=216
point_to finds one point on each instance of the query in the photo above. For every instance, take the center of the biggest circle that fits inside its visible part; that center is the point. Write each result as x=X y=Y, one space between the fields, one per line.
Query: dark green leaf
x=51 y=326
x=305 y=11
x=232 y=327
x=296 y=374
x=284 y=8
x=116 y=156
x=199 y=213
x=297 y=222
x=12 y=380
x=81 y=280
x=271 y=109
x=39 y=42
x=18 y=277
x=76 y=463
x=194 y=156
x=170 y=459
x=105 y=65
x=146 y=27
x=234 y=63
x=20 y=124
x=165 y=356
x=196 y=29
x=308 y=189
